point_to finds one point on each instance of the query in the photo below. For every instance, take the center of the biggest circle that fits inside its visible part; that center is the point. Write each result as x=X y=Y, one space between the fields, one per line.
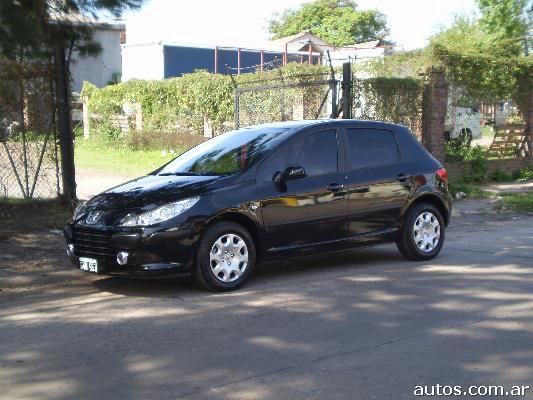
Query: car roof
x=297 y=125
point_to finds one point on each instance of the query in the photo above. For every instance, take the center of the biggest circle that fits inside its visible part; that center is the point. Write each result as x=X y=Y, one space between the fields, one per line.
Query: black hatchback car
x=265 y=192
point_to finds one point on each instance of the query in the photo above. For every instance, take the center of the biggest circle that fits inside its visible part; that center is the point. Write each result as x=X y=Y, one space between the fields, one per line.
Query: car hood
x=146 y=193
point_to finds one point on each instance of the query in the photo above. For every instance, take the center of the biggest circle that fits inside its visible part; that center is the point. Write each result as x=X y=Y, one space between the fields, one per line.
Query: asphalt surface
x=359 y=325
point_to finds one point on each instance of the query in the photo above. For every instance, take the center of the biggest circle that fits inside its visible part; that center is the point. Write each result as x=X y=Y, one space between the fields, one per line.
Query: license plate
x=89 y=264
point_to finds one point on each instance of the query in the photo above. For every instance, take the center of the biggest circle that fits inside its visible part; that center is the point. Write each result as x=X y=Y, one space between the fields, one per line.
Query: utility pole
x=66 y=137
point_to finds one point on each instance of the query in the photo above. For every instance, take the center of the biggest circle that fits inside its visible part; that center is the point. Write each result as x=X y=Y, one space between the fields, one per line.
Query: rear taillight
x=442 y=174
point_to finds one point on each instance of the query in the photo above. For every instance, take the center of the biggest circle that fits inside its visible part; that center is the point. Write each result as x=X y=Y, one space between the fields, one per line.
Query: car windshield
x=226 y=154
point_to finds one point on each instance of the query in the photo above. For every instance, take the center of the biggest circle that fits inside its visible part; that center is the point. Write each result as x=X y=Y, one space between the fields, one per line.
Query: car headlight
x=159 y=214
x=79 y=209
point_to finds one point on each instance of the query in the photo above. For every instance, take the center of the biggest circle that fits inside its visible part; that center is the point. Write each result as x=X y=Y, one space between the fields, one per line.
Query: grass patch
x=471 y=190
x=520 y=202
x=27 y=215
x=487 y=131
x=524 y=174
x=94 y=155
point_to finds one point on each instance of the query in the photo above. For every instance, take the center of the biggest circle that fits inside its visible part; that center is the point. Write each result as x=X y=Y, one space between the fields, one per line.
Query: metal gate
x=398 y=100
x=284 y=99
x=29 y=159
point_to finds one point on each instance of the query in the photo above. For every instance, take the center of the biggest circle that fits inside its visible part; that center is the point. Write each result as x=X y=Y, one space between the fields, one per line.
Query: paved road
x=359 y=325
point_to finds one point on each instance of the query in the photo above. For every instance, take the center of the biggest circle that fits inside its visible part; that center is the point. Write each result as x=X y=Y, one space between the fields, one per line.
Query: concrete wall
x=457 y=169
x=143 y=61
x=98 y=70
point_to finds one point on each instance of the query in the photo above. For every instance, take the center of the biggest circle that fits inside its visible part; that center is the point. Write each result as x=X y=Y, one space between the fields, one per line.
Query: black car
x=265 y=192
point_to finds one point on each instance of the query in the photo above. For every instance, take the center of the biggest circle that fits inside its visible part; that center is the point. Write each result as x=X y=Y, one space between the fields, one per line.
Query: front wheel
x=225 y=258
x=422 y=234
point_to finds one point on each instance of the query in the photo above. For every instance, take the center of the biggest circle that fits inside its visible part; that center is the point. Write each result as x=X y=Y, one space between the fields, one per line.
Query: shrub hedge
x=179 y=104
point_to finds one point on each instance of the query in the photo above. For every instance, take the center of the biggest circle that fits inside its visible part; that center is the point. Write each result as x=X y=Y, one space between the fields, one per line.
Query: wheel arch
x=247 y=223
x=435 y=201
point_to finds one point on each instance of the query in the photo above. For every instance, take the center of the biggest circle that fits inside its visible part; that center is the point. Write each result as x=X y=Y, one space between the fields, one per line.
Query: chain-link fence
x=29 y=161
x=398 y=100
x=295 y=98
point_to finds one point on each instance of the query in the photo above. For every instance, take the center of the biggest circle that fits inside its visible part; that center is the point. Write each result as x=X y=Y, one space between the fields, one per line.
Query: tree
x=487 y=56
x=32 y=28
x=529 y=32
x=505 y=20
x=338 y=22
x=40 y=29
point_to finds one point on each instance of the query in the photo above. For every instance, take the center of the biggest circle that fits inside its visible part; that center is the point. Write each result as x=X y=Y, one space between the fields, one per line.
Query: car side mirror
x=293 y=172
x=289 y=174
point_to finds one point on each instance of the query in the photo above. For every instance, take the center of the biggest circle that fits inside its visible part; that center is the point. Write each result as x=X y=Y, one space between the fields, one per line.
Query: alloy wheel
x=228 y=257
x=426 y=231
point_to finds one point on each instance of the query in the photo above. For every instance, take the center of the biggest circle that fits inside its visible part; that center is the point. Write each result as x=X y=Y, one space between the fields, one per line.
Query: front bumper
x=156 y=253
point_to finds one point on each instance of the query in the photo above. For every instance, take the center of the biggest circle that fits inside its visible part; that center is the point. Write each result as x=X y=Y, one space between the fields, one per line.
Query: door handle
x=334 y=187
x=401 y=177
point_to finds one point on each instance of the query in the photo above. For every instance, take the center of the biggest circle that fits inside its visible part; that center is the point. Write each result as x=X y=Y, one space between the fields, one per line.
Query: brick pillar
x=436 y=103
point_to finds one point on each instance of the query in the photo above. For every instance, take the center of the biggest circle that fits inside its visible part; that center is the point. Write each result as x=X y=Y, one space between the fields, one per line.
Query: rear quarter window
x=369 y=148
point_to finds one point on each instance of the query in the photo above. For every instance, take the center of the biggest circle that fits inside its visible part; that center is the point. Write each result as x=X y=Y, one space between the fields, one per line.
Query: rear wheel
x=422 y=234
x=225 y=258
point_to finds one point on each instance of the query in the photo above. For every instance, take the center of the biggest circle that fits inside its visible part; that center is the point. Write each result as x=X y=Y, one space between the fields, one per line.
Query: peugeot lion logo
x=94 y=217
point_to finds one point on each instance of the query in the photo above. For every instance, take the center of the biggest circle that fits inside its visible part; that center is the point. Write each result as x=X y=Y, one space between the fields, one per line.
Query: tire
x=225 y=258
x=430 y=242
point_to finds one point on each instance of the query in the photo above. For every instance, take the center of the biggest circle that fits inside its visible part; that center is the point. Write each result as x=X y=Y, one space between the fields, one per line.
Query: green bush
x=398 y=100
x=182 y=104
x=523 y=174
x=459 y=148
x=500 y=176
x=478 y=164
x=469 y=189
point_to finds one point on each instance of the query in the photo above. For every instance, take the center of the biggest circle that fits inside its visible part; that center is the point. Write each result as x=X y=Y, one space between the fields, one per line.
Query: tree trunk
x=66 y=137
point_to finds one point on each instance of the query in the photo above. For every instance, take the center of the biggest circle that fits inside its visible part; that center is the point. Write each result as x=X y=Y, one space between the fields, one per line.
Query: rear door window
x=369 y=148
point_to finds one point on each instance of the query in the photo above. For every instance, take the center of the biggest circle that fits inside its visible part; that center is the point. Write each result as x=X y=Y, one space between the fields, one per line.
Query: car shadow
x=267 y=276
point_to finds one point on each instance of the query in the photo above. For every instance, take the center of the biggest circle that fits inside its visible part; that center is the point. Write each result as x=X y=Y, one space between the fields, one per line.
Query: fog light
x=70 y=250
x=122 y=258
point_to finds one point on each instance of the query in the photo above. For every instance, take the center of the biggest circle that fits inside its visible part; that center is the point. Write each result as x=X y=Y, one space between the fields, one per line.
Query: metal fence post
x=346 y=90
x=236 y=109
x=334 y=112
x=333 y=86
x=86 y=118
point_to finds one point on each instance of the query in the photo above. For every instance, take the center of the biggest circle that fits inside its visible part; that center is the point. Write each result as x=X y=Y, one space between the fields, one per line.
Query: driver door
x=308 y=210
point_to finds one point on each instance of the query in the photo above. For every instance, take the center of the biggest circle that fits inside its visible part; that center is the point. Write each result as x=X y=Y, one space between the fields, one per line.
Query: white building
x=359 y=52
x=356 y=52
x=106 y=66
x=143 y=61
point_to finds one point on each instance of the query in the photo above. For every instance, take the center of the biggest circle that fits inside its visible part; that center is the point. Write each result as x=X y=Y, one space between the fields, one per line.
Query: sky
x=244 y=23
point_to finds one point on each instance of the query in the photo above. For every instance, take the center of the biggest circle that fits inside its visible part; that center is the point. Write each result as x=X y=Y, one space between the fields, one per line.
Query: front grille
x=93 y=243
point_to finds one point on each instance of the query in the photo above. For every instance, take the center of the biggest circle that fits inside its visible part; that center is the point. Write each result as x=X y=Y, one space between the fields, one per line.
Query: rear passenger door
x=377 y=186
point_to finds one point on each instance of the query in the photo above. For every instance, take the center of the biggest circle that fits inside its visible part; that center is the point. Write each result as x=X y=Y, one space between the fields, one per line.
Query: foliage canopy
x=338 y=22
x=31 y=28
